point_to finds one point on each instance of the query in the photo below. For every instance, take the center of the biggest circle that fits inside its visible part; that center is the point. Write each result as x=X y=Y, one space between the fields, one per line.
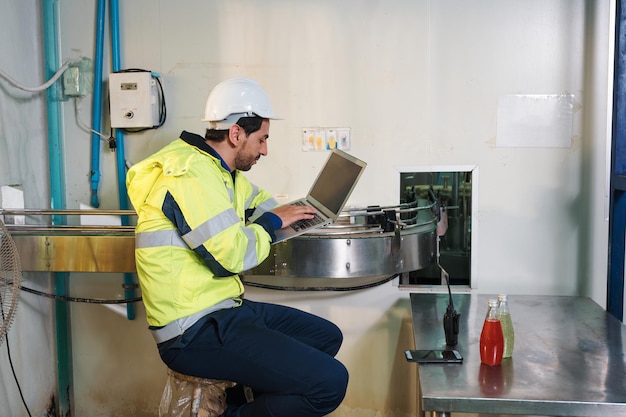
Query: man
x=200 y=223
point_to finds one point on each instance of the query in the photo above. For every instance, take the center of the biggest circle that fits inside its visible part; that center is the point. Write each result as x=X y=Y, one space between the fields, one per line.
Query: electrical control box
x=133 y=99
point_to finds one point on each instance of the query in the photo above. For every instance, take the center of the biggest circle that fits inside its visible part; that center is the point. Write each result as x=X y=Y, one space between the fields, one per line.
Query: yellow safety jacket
x=198 y=226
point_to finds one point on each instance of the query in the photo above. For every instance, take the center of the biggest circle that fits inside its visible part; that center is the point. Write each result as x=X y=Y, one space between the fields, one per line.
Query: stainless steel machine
x=364 y=245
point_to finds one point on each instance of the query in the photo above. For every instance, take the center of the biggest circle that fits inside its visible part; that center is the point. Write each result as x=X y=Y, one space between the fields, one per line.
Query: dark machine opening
x=454 y=192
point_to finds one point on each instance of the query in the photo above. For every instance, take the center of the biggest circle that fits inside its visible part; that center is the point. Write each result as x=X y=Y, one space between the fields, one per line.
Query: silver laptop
x=328 y=195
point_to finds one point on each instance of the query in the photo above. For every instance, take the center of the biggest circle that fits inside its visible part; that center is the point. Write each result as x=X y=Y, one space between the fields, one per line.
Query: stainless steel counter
x=568 y=360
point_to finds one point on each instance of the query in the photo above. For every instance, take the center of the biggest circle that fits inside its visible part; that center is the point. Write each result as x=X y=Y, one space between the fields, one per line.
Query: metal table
x=568 y=359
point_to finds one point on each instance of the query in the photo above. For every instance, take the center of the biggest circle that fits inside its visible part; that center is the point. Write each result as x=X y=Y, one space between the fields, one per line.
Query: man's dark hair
x=248 y=124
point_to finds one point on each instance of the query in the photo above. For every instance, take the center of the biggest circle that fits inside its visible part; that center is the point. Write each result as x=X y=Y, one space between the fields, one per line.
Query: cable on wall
x=42 y=87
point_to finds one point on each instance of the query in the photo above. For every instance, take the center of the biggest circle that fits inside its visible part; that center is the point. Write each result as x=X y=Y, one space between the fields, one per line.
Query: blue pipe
x=50 y=11
x=55 y=145
x=129 y=283
x=115 y=35
x=97 y=105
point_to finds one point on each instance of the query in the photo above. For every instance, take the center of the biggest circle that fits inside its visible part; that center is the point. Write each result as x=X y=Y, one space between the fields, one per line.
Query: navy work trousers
x=285 y=355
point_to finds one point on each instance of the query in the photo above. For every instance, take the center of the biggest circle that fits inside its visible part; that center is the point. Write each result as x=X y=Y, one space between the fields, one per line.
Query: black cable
x=163 y=112
x=79 y=299
x=351 y=288
x=251 y=284
x=17 y=382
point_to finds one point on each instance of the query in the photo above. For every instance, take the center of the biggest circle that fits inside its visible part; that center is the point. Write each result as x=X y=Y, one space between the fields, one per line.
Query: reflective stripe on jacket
x=193 y=234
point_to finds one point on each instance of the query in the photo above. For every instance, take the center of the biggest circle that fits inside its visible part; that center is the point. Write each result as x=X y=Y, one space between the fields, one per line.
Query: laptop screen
x=336 y=181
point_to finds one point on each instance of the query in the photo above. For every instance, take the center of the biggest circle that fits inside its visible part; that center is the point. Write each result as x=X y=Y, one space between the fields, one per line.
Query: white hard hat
x=235 y=98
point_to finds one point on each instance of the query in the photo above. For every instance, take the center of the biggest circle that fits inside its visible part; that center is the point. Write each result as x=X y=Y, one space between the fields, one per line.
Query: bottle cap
x=502 y=297
x=493 y=303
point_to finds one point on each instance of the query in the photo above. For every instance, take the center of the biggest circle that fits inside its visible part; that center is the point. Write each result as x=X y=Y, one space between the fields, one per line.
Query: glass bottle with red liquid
x=491 y=337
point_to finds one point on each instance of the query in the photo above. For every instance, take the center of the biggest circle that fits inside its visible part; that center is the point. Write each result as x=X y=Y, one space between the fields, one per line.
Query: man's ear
x=233 y=135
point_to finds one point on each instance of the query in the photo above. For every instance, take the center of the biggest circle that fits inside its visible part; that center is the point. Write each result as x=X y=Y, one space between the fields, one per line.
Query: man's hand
x=290 y=214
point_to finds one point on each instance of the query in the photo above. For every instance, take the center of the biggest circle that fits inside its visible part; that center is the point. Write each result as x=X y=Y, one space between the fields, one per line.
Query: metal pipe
x=19 y=229
x=50 y=13
x=35 y=212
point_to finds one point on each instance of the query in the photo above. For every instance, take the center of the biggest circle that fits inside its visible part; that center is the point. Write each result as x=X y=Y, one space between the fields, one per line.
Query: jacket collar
x=198 y=141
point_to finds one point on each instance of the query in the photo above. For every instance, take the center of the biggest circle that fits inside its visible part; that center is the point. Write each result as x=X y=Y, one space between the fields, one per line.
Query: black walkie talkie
x=451 y=318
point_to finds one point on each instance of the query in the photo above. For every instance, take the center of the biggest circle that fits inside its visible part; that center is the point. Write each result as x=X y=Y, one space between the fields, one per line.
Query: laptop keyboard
x=306 y=223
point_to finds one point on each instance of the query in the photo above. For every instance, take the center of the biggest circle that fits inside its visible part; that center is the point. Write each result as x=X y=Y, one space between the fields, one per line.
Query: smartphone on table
x=434 y=356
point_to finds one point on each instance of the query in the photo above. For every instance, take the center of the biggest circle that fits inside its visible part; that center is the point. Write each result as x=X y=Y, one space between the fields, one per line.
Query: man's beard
x=243 y=163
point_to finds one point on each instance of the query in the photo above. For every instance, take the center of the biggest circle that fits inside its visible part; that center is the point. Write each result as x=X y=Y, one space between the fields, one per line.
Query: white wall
x=418 y=82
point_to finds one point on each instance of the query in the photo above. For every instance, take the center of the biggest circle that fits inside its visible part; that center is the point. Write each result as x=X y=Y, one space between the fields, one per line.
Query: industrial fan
x=10 y=278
